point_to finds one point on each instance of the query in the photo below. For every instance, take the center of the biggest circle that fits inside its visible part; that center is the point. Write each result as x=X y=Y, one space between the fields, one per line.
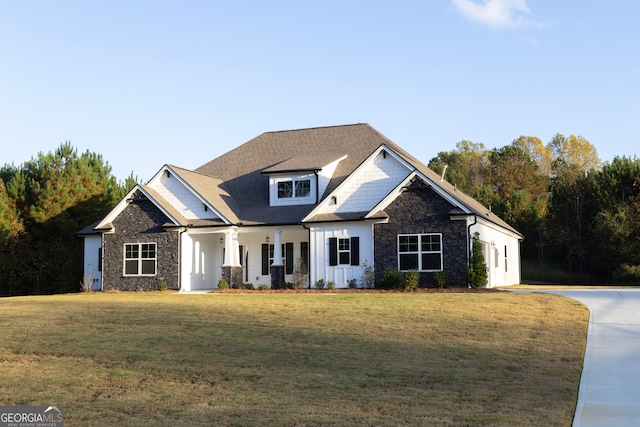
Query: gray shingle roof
x=236 y=179
x=242 y=168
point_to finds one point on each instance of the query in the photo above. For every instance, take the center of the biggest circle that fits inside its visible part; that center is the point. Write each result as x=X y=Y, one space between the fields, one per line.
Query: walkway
x=609 y=392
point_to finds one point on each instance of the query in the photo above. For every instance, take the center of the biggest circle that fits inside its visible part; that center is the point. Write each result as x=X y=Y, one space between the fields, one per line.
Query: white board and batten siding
x=501 y=251
x=92 y=253
x=319 y=245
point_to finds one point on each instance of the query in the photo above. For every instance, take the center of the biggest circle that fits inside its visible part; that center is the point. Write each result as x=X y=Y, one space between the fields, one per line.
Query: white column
x=277 y=248
x=231 y=249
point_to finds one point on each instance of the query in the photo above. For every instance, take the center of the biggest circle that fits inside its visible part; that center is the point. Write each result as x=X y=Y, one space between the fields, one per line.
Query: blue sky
x=145 y=83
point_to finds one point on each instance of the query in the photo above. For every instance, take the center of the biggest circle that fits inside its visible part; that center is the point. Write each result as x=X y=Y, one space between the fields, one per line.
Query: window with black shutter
x=344 y=251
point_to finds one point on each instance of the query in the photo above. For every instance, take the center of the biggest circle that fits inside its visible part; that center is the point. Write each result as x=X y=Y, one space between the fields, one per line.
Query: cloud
x=503 y=14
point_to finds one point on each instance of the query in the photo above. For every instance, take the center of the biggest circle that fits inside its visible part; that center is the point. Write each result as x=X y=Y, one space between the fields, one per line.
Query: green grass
x=259 y=359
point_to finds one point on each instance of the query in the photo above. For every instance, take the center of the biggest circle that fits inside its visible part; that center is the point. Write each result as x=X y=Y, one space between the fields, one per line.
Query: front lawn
x=285 y=359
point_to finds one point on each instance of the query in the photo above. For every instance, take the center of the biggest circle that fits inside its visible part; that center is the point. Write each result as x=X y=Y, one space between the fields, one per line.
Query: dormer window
x=292 y=190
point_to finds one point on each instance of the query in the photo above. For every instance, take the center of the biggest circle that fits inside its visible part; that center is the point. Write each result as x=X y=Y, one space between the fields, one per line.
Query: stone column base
x=233 y=275
x=277 y=276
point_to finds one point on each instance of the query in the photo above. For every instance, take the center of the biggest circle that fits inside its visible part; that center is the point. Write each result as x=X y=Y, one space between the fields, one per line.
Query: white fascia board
x=353 y=176
x=485 y=222
x=400 y=188
x=158 y=175
x=111 y=216
x=175 y=174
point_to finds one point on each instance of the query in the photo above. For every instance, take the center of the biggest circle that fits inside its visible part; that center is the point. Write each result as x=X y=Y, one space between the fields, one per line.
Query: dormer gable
x=363 y=189
x=299 y=180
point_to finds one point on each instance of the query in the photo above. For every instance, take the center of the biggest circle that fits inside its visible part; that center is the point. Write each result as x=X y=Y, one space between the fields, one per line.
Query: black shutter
x=355 y=251
x=265 y=259
x=304 y=254
x=333 y=251
x=288 y=258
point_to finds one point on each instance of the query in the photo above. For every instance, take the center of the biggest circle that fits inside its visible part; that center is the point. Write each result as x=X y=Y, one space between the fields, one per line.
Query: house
x=336 y=199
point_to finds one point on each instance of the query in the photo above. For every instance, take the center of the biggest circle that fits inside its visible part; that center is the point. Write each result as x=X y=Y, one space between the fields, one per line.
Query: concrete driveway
x=609 y=392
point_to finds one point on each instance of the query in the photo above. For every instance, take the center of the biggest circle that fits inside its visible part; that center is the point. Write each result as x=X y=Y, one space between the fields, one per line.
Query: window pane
x=344 y=258
x=431 y=243
x=131 y=267
x=303 y=188
x=408 y=243
x=148 y=266
x=148 y=250
x=131 y=251
x=285 y=189
x=408 y=262
x=343 y=244
x=431 y=261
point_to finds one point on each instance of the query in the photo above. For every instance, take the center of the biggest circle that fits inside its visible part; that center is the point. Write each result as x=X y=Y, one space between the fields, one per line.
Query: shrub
x=248 y=286
x=477 y=273
x=162 y=286
x=331 y=284
x=87 y=283
x=392 y=278
x=411 y=280
x=320 y=284
x=300 y=276
x=223 y=284
x=440 y=279
x=368 y=279
x=353 y=283
x=287 y=285
x=264 y=287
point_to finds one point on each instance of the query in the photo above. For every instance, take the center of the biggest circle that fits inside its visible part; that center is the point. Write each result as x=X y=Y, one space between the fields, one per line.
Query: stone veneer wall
x=421 y=210
x=140 y=222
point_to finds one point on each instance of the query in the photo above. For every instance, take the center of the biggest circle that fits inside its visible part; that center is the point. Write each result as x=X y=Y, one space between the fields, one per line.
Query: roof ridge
x=316 y=128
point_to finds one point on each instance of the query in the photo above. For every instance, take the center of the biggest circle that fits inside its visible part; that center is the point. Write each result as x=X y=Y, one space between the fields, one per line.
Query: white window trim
x=420 y=252
x=294 y=188
x=344 y=251
x=139 y=259
x=295 y=180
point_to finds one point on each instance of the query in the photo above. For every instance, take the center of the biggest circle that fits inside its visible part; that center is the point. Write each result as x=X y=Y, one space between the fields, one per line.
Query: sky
x=151 y=82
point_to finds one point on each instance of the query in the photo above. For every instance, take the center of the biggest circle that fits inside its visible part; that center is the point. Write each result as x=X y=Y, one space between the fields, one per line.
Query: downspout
x=469 y=240
x=101 y=262
x=180 y=233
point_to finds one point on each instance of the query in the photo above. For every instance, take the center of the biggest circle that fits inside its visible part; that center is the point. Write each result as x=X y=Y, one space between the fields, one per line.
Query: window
x=303 y=188
x=294 y=188
x=344 y=251
x=140 y=259
x=287 y=258
x=505 y=259
x=422 y=252
x=285 y=189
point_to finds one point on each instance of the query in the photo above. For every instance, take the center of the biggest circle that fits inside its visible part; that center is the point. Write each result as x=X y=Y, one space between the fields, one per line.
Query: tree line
x=43 y=204
x=580 y=218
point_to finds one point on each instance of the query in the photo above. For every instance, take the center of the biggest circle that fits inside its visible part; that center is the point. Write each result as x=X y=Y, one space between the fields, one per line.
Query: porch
x=239 y=255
